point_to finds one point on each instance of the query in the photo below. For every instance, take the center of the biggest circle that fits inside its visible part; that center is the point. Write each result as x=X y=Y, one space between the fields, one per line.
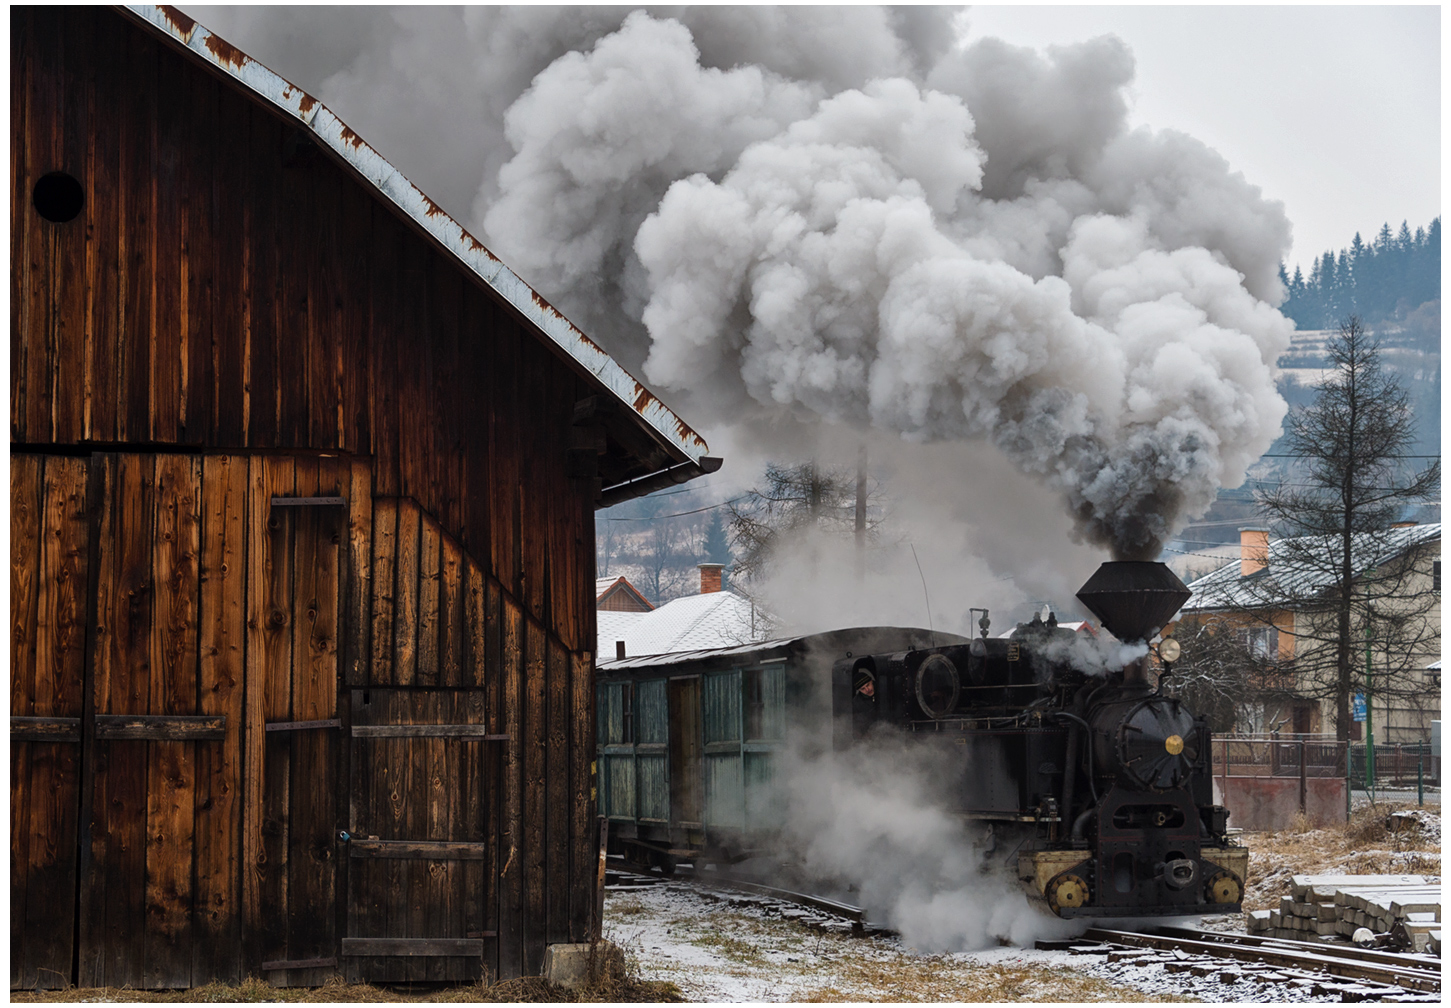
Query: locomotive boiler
x=1101 y=781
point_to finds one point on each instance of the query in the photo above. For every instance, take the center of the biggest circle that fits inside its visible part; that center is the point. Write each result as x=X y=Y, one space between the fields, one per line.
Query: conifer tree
x=1336 y=567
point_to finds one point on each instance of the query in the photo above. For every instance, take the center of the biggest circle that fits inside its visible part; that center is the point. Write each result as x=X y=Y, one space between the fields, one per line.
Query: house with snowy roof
x=715 y=618
x=1278 y=600
x=616 y=594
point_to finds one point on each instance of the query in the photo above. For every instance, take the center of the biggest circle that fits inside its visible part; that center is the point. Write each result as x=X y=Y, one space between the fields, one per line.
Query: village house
x=303 y=482
x=1278 y=608
x=714 y=618
x=616 y=594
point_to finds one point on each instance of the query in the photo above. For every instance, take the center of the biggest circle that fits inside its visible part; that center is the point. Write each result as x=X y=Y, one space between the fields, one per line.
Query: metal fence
x=1265 y=780
x=1398 y=767
x=1278 y=756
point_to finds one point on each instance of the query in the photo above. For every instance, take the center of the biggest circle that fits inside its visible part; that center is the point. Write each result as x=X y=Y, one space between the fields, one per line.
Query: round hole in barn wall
x=58 y=197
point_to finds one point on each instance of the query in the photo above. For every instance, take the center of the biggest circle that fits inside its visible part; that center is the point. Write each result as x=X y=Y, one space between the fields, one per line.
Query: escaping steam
x=876 y=817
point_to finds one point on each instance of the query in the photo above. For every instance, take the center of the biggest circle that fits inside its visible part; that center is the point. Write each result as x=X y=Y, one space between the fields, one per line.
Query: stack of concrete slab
x=1406 y=909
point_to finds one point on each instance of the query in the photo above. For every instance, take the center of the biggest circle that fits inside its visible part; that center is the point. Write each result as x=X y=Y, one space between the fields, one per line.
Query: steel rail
x=856 y=915
x=1408 y=976
x=1408 y=959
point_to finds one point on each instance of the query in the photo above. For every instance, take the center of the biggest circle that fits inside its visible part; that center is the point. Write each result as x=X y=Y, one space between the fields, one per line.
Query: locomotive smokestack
x=1133 y=598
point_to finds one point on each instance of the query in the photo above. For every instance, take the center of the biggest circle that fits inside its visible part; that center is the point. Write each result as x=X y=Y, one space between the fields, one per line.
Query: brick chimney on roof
x=710 y=577
x=1254 y=549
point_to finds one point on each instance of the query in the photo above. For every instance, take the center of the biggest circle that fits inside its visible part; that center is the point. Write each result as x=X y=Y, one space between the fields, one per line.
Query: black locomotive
x=1104 y=780
x=1098 y=782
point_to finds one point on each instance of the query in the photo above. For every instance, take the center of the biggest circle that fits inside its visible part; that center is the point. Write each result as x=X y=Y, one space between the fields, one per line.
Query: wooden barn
x=302 y=541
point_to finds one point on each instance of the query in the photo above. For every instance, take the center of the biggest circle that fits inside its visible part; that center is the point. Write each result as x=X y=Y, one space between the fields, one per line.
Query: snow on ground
x=718 y=947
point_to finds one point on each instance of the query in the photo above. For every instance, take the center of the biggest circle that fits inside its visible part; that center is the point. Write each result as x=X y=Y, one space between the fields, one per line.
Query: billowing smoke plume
x=825 y=214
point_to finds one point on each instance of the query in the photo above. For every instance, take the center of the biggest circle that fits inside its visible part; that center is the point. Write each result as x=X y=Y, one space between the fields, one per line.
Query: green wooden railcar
x=690 y=743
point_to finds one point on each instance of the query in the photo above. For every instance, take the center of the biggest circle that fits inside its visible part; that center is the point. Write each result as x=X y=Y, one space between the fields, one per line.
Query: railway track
x=1323 y=969
x=1353 y=973
x=629 y=875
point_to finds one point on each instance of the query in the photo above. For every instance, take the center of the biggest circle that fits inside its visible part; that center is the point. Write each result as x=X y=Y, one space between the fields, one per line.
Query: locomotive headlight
x=1169 y=650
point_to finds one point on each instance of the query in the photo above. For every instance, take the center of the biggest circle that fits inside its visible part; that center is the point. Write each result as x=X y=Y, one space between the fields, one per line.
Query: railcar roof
x=777 y=649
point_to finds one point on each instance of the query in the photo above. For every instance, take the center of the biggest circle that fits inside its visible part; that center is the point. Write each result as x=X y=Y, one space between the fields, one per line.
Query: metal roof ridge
x=322 y=123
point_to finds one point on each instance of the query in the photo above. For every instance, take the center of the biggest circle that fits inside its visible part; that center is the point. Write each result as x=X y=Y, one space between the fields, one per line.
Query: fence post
x=1302 y=775
x=1224 y=777
x=1420 y=774
x=1345 y=749
x=599 y=908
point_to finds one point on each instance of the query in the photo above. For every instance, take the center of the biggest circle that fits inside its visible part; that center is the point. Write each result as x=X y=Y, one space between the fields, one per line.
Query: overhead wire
x=680 y=514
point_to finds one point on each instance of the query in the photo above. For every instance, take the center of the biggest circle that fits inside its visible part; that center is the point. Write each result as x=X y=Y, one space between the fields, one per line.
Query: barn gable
x=302 y=485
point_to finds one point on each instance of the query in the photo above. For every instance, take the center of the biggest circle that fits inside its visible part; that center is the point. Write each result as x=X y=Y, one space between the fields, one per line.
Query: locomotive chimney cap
x=1133 y=598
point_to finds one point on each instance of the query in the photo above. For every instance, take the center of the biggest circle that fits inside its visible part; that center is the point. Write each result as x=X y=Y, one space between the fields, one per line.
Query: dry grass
x=1362 y=846
x=624 y=987
x=934 y=978
x=527 y=990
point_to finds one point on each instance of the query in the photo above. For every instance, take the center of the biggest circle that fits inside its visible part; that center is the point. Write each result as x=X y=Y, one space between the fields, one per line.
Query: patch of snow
x=726 y=948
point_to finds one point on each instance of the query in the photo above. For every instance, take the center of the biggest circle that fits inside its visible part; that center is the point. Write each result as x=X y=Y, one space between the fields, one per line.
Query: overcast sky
x=1336 y=111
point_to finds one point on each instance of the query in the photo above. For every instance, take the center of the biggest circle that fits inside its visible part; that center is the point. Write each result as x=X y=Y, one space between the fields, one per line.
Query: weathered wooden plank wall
x=228 y=285
x=49 y=567
x=231 y=291
x=210 y=600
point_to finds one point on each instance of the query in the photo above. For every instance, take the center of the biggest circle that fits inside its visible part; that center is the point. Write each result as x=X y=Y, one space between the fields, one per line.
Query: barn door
x=418 y=843
x=299 y=519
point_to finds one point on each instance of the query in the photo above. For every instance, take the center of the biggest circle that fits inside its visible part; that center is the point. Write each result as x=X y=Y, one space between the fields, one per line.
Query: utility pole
x=1369 y=725
x=861 y=514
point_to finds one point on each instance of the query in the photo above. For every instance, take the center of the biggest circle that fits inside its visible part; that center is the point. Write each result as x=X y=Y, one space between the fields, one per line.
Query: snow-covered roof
x=693 y=623
x=1283 y=580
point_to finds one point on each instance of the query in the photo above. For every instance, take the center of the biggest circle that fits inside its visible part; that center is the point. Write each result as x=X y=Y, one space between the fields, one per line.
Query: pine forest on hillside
x=1388 y=280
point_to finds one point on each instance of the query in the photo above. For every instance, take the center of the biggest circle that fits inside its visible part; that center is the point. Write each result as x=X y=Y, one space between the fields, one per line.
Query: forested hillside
x=1389 y=280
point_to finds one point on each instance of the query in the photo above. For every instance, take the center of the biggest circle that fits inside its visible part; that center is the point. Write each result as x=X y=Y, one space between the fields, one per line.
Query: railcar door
x=685 y=753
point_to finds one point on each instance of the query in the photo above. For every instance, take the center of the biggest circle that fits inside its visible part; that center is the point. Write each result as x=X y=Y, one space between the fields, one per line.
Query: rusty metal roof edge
x=391 y=183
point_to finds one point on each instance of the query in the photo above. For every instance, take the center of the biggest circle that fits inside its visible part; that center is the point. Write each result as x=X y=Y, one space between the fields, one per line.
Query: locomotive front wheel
x=667 y=863
x=1067 y=891
x=1224 y=888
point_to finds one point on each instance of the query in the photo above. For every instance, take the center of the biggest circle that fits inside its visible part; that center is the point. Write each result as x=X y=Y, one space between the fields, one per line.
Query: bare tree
x=1352 y=581
x=667 y=560
x=1223 y=673
x=791 y=498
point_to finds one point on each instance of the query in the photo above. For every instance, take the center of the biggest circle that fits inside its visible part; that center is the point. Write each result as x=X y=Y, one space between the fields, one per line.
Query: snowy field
x=727 y=948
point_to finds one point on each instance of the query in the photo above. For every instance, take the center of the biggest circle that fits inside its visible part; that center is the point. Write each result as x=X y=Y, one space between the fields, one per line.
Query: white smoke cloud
x=823 y=269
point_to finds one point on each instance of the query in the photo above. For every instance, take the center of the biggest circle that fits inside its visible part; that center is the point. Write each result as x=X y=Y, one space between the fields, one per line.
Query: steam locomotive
x=1104 y=780
x=1099 y=782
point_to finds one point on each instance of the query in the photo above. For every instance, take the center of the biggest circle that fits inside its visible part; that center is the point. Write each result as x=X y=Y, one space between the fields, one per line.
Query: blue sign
x=1357 y=706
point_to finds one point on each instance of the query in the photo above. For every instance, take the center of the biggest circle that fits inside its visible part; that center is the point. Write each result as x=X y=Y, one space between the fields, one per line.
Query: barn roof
x=334 y=135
